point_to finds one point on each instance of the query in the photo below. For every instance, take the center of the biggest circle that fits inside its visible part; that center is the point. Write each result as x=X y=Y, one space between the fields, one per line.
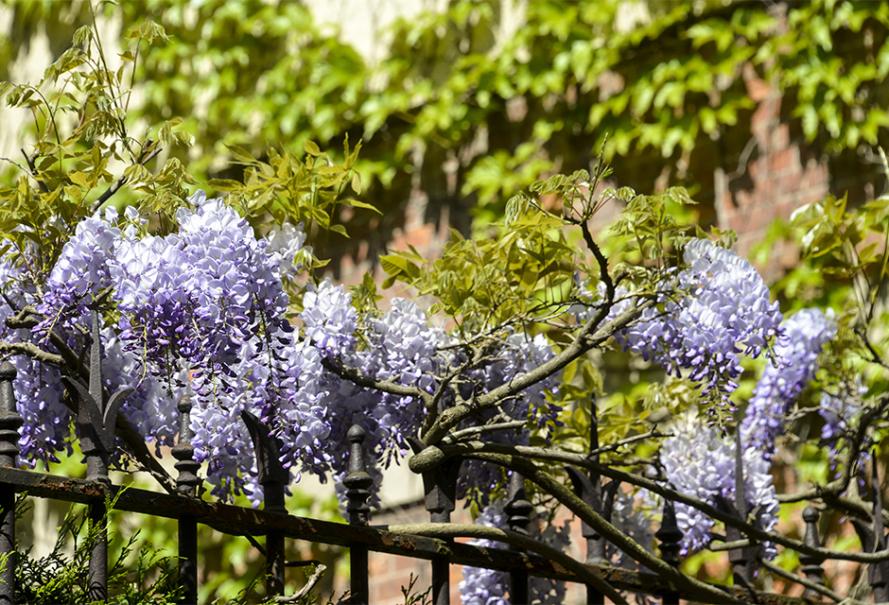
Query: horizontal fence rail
x=240 y=521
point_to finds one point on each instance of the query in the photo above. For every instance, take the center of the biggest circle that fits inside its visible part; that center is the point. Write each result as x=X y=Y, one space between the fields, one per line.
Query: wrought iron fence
x=96 y=424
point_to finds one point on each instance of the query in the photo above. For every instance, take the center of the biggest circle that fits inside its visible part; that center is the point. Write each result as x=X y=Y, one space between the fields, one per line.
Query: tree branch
x=434 y=455
x=31 y=350
x=386 y=386
x=457 y=530
x=819 y=588
x=585 y=339
x=693 y=588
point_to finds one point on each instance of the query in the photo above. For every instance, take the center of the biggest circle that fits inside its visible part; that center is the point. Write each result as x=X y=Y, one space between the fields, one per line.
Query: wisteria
x=725 y=310
x=796 y=356
x=81 y=272
x=203 y=307
x=482 y=586
x=838 y=413
x=700 y=462
x=38 y=386
x=401 y=346
x=511 y=357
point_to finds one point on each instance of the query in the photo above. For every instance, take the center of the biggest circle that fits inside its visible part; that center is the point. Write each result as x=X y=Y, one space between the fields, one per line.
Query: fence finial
x=669 y=535
x=96 y=416
x=518 y=508
x=10 y=419
x=187 y=481
x=357 y=481
x=187 y=469
x=878 y=572
x=10 y=422
x=812 y=563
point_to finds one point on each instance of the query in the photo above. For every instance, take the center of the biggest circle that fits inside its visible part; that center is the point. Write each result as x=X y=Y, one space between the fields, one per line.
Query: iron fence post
x=96 y=421
x=440 y=487
x=10 y=422
x=187 y=482
x=878 y=573
x=588 y=487
x=669 y=536
x=273 y=478
x=812 y=563
x=358 y=483
x=742 y=559
x=518 y=509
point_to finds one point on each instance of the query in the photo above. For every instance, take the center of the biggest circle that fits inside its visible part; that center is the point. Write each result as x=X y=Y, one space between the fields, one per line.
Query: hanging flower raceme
x=699 y=462
x=724 y=312
x=38 y=386
x=81 y=272
x=796 y=359
x=399 y=346
x=481 y=586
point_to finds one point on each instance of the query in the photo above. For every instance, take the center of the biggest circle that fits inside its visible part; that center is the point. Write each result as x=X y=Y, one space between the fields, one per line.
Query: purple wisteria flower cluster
x=401 y=346
x=481 y=586
x=700 y=462
x=725 y=311
x=38 y=386
x=796 y=360
x=204 y=309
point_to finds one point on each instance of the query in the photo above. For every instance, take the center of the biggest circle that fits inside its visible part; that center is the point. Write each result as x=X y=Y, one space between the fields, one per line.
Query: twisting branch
x=114 y=188
x=521 y=454
x=306 y=589
x=836 y=487
x=585 y=339
x=485 y=428
x=34 y=172
x=458 y=530
x=694 y=589
x=654 y=434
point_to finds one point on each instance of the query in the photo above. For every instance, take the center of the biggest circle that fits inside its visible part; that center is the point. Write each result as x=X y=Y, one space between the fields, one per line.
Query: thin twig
x=487 y=428
x=823 y=590
x=305 y=590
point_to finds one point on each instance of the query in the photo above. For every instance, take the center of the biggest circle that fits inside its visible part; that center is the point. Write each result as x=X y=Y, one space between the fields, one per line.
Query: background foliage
x=469 y=114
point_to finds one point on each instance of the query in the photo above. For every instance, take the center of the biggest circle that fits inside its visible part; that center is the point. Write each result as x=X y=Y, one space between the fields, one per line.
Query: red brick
x=781 y=137
x=784 y=159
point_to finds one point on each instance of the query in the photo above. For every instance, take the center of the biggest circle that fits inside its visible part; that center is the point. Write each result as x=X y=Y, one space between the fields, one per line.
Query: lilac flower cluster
x=726 y=311
x=699 y=462
x=481 y=586
x=796 y=358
